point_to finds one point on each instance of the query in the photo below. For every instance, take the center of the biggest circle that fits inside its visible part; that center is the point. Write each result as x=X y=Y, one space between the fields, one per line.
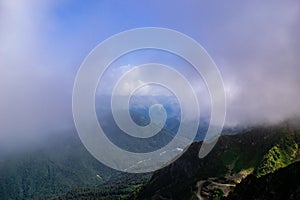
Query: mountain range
x=240 y=164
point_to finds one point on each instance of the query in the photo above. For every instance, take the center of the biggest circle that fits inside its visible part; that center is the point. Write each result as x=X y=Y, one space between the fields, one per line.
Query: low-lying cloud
x=256 y=45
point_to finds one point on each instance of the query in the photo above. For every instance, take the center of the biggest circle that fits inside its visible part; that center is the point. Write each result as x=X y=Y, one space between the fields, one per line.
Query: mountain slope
x=282 y=184
x=64 y=169
x=63 y=164
x=233 y=158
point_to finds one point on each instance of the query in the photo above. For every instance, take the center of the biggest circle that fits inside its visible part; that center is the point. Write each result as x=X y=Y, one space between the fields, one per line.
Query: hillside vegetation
x=258 y=151
x=62 y=165
x=65 y=170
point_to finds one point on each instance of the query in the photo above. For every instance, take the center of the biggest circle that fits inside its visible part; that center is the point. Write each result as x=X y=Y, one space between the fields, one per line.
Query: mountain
x=62 y=164
x=282 y=184
x=62 y=169
x=258 y=151
x=139 y=111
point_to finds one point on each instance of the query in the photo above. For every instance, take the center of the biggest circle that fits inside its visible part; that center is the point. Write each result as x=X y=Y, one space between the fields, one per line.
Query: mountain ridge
x=231 y=160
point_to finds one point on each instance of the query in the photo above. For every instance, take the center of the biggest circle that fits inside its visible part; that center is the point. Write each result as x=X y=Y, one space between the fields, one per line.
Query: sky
x=255 y=45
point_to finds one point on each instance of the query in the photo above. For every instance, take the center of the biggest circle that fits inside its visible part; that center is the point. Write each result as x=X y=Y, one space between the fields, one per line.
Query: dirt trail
x=223 y=184
x=199 y=186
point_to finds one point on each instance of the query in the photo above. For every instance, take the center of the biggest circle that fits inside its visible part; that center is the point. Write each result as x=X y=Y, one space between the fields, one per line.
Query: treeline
x=113 y=192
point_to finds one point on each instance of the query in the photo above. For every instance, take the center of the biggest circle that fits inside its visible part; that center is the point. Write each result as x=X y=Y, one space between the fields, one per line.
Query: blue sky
x=255 y=44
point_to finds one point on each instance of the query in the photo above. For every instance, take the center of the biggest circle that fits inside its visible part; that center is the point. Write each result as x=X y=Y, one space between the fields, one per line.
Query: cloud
x=260 y=62
x=32 y=100
x=255 y=44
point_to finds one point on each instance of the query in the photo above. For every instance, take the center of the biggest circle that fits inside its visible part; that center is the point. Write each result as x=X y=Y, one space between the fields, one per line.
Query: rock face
x=282 y=184
x=231 y=160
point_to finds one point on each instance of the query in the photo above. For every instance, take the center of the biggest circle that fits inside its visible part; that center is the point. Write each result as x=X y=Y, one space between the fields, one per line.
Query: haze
x=255 y=44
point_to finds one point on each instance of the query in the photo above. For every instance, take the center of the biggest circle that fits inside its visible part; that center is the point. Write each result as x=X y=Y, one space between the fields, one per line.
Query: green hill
x=259 y=151
x=282 y=184
x=63 y=164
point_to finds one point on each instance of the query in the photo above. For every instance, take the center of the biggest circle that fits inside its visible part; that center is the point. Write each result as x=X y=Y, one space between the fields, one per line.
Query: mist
x=260 y=65
x=255 y=45
x=33 y=103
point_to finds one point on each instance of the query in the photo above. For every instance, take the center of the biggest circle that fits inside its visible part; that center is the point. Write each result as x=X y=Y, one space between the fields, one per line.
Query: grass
x=280 y=155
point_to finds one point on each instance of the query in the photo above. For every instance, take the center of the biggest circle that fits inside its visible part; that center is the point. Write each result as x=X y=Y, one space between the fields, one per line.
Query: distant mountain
x=139 y=110
x=259 y=151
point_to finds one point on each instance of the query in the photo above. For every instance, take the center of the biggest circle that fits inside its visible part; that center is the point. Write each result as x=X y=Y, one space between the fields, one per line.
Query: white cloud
x=32 y=100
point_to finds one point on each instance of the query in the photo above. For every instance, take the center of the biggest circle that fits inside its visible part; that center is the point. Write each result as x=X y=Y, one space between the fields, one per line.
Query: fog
x=33 y=103
x=261 y=64
x=255 y=44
